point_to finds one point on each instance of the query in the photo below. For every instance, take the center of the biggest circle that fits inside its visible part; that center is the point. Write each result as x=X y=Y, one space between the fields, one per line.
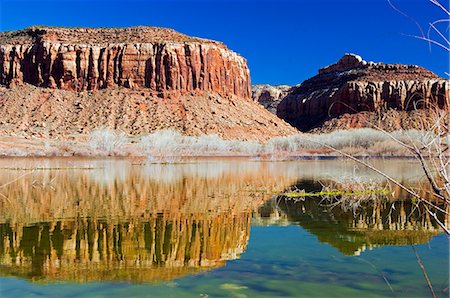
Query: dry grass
x=171 y=146
x=364 y=141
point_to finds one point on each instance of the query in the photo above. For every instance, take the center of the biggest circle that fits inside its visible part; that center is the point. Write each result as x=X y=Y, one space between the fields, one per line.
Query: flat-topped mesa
x=98 y=36
x=205 y=87
x=352 y=85
x=159 y=59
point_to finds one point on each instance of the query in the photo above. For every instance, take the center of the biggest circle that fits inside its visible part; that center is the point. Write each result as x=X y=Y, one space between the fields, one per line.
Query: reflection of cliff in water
x=162 y=246
x=129 y=222
x=126 y=191
x=115 y=220
x=394 y=222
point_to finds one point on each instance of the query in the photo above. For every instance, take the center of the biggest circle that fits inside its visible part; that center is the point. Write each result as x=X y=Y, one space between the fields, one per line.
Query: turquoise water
x=208 y=233
x=281 y=262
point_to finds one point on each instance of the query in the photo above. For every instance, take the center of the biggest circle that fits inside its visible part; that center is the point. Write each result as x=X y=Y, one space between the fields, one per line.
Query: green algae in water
x=301 y=194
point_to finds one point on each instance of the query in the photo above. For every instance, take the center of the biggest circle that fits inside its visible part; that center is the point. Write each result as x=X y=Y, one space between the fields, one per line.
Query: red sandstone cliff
x=140 y=57
x=352 y=85
x=115 y=78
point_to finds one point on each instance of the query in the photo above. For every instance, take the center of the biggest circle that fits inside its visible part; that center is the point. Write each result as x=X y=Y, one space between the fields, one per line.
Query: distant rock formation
x=352 y=85
x=270 y=95
x=153 y=62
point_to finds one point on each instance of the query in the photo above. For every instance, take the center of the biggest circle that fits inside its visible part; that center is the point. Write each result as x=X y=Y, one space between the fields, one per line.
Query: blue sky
x=285 y=42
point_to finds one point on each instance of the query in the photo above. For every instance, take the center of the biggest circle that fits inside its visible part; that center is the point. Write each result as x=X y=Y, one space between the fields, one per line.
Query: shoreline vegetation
x=171 y=146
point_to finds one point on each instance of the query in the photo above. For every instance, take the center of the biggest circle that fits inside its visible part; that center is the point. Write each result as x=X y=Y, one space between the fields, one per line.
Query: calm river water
x=210 y=228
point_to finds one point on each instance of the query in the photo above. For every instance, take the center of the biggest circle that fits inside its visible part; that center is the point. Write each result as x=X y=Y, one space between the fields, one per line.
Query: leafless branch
x=430 y=286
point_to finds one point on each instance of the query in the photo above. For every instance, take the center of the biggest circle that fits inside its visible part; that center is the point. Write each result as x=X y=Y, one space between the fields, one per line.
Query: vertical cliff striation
x=160 y=59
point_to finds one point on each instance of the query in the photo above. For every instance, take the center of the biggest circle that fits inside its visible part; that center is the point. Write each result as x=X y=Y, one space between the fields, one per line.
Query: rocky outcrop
x=269 y=96
x=60 y=82
x=165 y=61
x=353 y=85
x=347 y=62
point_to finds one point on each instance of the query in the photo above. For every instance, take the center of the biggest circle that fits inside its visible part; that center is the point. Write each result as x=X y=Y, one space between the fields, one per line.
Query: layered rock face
x=141 y=57
x=353 y=85
x=269 y=96
x=136 y=79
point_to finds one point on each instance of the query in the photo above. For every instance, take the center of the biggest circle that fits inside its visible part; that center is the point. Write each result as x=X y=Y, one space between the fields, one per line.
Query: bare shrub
x=250 y=148
x=360 y=141
x=430 y=146
x=170 y=145
x=166 y=142
x=349 y=193
x=387 y=148
x=282 y=147
x=207 y=145
x=108 y=141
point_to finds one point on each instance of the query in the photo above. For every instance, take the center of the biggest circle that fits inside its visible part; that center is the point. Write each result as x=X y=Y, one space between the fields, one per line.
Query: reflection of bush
x=46 y=195
x=163 y=246
x=395 y=221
